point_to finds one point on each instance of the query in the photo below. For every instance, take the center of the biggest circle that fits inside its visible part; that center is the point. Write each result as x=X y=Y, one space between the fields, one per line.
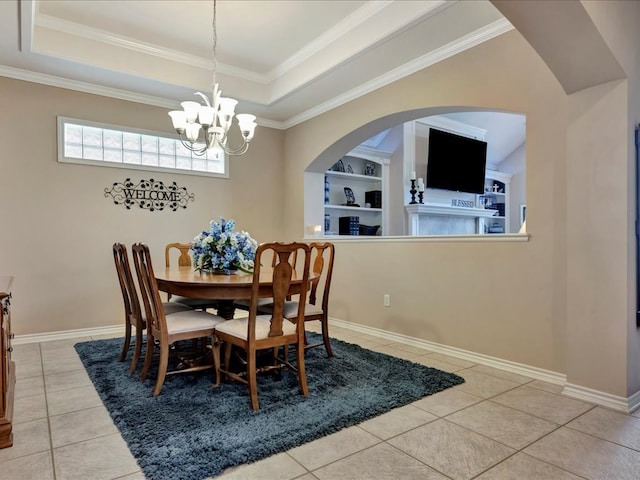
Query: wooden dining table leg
x=226 y=309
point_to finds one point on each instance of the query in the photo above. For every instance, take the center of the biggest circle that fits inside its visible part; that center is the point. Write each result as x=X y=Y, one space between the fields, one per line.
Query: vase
x=326 y=190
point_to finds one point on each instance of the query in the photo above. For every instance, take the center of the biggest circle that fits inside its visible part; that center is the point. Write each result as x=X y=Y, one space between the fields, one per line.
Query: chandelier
x=213 y=117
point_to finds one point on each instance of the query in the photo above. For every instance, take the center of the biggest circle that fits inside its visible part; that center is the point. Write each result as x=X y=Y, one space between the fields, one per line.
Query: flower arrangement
x=222 y=249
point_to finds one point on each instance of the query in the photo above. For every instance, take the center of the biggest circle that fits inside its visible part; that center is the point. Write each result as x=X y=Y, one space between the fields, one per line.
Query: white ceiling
x=285 y=60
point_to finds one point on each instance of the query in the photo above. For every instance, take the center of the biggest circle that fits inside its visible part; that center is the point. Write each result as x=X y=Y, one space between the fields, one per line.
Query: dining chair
x=133 y=316
x=317 y=305
x=169 y=329
x=264 y=332
x=184 y=260
x=244 y=304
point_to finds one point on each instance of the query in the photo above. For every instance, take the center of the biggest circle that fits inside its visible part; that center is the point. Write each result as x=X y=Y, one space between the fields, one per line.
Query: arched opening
x=396 y=147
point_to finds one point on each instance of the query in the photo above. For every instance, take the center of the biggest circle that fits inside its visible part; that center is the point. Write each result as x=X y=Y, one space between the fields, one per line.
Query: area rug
x=192 y=430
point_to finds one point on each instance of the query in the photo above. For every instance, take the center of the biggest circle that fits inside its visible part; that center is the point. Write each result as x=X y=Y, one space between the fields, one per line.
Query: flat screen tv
x=455 y=162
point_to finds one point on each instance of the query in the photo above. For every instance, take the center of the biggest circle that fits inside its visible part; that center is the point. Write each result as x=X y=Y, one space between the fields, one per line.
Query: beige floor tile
x=28 y=438
x=413 y=349
x=32 y=467
x=307 y=476
x=521 y=467
x=27 y=387
x=446 y=402
x=101 y=458
x=61 y=364
x=29 y=409
x=72 y=399
x=483 y=385
x=65 y=344
x=452 y=450
x=555 y=408
x=391 y=349
x=81 y=425
x=25 y=353
x=328 y=449
x=373 y=340
x=496 y=372
x=587 y=456
x=453 y=360
x=28 y=369
x=609 y=425
x=380 y=462
x=397 y=421
x=429 y=361
x=54 y=354
x=546 y=386
x=370 y=343
x=508 y=426
x=62 y=381
x=277 y=467
x=133 y=476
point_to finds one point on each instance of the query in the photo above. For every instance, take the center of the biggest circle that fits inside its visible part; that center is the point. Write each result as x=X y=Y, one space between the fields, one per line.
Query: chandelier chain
x=215 y=45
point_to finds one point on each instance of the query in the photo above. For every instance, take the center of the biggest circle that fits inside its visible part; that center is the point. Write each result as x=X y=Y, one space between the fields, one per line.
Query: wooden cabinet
x=364 y=173
x=7 y=366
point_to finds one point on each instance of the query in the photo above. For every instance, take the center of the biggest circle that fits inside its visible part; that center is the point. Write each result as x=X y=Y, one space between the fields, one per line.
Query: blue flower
x=221 y=248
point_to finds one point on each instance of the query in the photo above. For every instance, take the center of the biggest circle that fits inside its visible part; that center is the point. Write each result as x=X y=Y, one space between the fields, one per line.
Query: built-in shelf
x=345 y=207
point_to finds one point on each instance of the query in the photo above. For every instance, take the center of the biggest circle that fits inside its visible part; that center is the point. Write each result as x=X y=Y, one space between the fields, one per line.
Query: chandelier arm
x=239 y=150
x=192 y=148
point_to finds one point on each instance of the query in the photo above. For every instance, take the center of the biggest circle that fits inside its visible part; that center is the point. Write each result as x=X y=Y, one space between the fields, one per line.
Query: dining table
x=225 y=288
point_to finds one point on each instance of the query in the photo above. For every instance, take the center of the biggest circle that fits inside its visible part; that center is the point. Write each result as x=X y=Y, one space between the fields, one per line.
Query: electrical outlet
x=386 y=300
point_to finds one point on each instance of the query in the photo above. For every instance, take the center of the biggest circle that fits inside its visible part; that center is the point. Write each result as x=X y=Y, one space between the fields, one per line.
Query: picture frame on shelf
x=370 y=169
x=338 y=166
x=351 y=198
x=349 y=168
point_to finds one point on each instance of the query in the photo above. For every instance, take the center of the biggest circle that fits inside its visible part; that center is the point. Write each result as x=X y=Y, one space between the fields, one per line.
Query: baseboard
x=614 y=402
x=521 y=369
x=65 y=334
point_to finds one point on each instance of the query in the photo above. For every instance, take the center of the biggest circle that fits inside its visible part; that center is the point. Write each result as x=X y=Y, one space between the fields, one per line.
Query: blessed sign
x=462 y=203
x=149 y=194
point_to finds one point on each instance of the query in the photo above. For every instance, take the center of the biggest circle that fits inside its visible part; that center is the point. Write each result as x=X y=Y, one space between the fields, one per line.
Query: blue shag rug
x=192 y=430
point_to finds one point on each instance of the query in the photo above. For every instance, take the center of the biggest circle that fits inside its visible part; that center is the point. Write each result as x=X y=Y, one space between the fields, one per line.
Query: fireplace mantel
x=460 y=219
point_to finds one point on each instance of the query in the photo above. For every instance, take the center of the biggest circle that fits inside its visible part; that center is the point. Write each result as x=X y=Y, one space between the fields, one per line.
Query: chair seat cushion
x=245 y=304
x=198 y=303
x=191 y=320
x=238 y=327
x=174 y=307
x=291 y=309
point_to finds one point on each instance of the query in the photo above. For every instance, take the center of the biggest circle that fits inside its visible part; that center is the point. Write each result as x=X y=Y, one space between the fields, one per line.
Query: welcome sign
x=149 y=194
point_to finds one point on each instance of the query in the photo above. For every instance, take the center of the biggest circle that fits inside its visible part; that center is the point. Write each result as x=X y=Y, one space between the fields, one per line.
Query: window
x=90 y=143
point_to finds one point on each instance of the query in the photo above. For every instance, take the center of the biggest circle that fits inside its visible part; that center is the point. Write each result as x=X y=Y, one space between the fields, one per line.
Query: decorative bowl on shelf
x=369 y=229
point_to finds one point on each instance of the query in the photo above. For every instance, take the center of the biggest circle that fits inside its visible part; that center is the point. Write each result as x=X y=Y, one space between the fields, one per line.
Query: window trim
x=61 y=121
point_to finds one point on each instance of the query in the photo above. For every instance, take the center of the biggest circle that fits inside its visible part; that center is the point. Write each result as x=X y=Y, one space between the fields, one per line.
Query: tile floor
x=497 y=425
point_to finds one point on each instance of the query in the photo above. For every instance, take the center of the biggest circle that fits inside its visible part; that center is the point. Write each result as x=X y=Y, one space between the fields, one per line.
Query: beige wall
x=497 y=298
x=58 y=228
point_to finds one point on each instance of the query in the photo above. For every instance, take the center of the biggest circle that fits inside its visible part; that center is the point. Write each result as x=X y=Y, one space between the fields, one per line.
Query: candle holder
x=420 y=197
x=413 y=192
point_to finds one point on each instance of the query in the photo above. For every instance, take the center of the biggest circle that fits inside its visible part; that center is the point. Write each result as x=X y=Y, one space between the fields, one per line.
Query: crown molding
x=477 y=37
